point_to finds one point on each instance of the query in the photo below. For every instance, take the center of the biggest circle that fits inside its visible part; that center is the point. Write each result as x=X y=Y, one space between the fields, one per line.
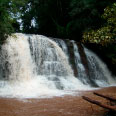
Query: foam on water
x=39 y=88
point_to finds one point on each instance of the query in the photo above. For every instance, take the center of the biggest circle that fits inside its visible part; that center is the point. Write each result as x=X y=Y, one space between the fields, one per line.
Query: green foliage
x=62 y=18
x=56 y=18
x=9 y=10
x=106 y=34
x=86 y=15
x=50 y=17
x=5 y=21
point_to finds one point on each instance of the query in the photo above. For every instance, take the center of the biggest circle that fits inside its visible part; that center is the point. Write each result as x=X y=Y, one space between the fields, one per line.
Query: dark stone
x=83 y=57
x=72 y=57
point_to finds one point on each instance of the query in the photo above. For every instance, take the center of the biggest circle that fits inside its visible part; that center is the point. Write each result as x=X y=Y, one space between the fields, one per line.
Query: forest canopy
x=55 y=18
x=9 y=15
x=107 y=33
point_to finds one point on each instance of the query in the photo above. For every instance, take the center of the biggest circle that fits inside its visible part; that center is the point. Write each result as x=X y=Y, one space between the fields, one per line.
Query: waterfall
x=37 y=66
x=98 y=73
x=98 y=70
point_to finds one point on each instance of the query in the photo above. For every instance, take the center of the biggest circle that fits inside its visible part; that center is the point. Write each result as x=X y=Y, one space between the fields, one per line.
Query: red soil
x=57 y=106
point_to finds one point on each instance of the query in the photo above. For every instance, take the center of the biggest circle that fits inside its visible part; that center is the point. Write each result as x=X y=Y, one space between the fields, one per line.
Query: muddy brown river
x=56 y=106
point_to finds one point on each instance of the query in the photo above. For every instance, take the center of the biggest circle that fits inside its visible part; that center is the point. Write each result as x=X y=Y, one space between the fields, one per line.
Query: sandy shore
x=57 y=106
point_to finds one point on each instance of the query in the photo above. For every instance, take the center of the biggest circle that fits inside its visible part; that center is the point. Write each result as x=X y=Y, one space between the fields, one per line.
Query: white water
x=99 y=75
x=80 y=67
x=35 y=66
x=99 y=71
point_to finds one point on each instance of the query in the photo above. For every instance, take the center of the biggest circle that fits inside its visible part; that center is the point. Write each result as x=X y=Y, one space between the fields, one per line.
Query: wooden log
x=105 y=96
x=112 y=108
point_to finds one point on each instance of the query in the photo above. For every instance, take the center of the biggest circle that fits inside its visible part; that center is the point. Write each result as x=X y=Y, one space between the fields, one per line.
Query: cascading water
x=80 y=67
x=48 y=57
x=36 y=66
x=98 y=70
x=98 y=73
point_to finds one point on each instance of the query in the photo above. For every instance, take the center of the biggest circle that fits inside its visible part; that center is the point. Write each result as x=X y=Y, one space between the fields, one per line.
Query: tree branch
x=105 y=96
x=113 y=108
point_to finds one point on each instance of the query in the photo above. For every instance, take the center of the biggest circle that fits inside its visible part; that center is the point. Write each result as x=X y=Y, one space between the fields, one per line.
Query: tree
x=50 y=17
x=106 y=34
x=86 y=15
x=62 y=18
x=5 y=21
x=9 y=14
